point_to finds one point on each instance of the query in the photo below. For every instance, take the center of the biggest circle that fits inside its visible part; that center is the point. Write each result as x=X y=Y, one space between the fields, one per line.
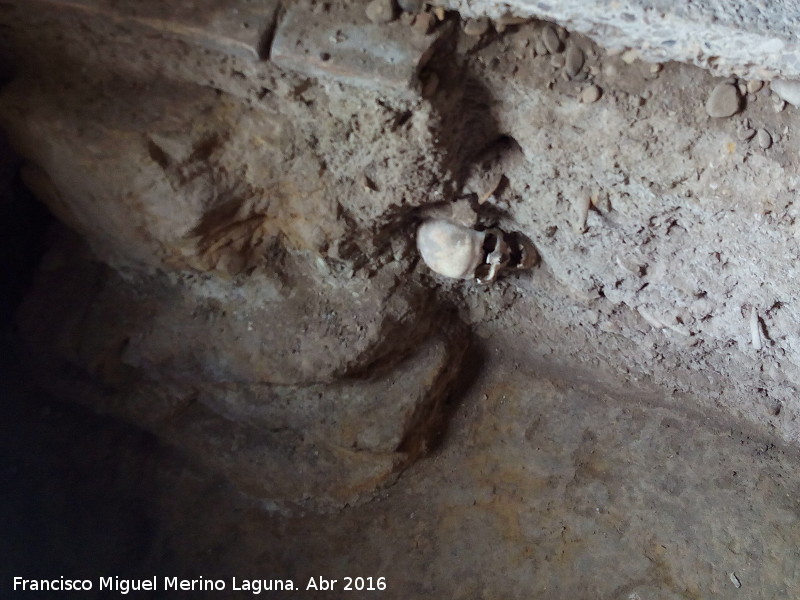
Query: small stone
x=476 y=27
x=558 y=61
x=754 y=86
x=764 y=139
x=439 y=12
x=508 y=20
x=735 y=580
x=590 y=94
x=746 y=134
x=788 y=90
x=777 y=104
x=381 y=11
x=742 y=87
x=656 y=68
x=410 y=6
x=574 y=60
x=539 y=48
x=551 y=40
x=724 y=101
x=630 y=56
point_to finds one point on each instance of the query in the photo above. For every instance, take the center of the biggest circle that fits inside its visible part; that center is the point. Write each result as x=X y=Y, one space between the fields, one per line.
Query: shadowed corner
x=72 y=484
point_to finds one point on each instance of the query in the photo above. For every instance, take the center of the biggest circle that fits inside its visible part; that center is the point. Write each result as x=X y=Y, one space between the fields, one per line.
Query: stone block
x=346 y=47
x=238 y=27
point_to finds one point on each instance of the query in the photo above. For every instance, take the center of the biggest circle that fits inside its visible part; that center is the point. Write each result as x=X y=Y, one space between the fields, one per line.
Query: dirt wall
x=242 y=188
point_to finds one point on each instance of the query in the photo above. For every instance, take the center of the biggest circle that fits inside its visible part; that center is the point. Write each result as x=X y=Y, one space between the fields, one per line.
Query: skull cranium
x=460 y=252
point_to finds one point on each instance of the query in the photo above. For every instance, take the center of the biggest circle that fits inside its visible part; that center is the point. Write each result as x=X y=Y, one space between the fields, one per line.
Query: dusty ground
x=620 y=422
x=540 y=489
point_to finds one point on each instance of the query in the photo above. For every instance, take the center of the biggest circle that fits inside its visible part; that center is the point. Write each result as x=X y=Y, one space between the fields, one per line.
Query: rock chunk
x=476 y=27
x=724 y=101
x=574 y=61
x=590 y=94
x=764 y=139
x=788 y=90
x=381 y=11
x=551 y=40
x=345 y=48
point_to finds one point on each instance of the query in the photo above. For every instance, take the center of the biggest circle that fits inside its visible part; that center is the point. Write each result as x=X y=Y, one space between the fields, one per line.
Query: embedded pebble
x=629 y=56
x=551 y=40
x=735 y=580
x=507 y=20
x=754 y=86
x=558 y=61
x=476 y=27
x=724 y=101
x=380 y=11
x=574 y=61
x=410 y=6
x=656 y=68
x=788 y=90
x=590 y=94
x=777 y=104
x=746 y=134
x=764 y=139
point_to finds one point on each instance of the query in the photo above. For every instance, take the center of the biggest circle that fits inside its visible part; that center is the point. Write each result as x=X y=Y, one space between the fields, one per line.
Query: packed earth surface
x=223 y=356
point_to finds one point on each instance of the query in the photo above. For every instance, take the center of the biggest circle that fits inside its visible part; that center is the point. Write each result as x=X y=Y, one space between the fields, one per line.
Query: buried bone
x=462 y=253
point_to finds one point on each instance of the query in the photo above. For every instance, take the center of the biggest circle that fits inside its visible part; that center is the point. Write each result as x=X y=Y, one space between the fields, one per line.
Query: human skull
x=462 y=253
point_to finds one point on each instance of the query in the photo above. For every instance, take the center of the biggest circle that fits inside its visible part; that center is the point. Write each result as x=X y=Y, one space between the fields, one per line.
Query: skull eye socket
x=483 y=272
